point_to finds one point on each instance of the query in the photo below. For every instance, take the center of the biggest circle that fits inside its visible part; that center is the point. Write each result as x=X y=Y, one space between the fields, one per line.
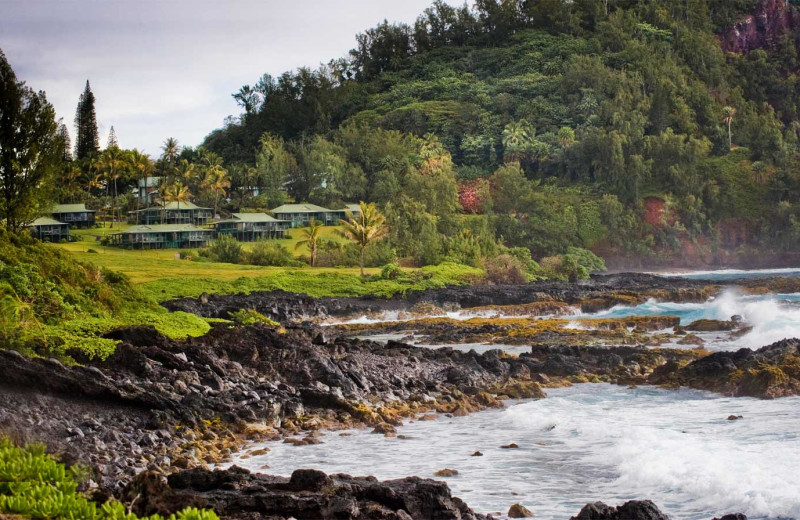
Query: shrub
x=562 y=267
x=34 y=485
x=271 y=253
x=587 y=259
x=226 y=249
x=391 y=272
x=505 y=269
x=251 y=317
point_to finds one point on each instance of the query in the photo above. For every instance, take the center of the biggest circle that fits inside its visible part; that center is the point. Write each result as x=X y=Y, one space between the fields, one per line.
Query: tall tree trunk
x=730 y=137
x=361 y=261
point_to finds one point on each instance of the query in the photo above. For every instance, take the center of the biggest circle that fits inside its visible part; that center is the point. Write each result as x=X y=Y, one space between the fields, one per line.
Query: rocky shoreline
x=150 y=418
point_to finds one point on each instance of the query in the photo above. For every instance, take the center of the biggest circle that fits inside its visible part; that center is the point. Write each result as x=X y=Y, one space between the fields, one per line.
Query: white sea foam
x=727 y=274
x=587 y=443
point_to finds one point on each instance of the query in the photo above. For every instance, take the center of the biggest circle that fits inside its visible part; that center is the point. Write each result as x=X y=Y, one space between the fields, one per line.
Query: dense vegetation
x=35 y=485
x=545 y=124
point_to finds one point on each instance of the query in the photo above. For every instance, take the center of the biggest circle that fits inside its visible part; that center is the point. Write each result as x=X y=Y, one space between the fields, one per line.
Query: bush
x=226 y=249
x=271 y=254
x=251 y=317
x=587 y=259
x=563 y=267
x=391 y=272
x=34 y=485
x=505 y=269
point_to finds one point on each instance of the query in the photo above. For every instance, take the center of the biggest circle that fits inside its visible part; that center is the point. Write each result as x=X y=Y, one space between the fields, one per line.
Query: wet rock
x=236 y=493
x=633 y=510
x=512 y=446
x=446 y=472
x=691 y=339
x=734 y=516
x=735 y=417
x=477 y=454
x=519 y=511
x=705 y=325
x=384 y=428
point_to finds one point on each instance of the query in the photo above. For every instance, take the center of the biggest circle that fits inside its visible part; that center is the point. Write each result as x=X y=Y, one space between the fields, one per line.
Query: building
x=76 y=215
x=248 y=227
x=49 y=229
x=163 y=236
x=172 y=213
x=300 y=215
x=147 y=190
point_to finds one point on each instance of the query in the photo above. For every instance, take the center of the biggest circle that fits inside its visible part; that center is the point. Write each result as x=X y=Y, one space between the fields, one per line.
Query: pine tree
x=87 y=140
x=63 y=134
x=112 y=139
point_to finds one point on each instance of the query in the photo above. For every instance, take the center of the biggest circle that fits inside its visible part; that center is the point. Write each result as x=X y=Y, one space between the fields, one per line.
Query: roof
x=46 y=221
x=249 y=217
x=71 y=208
x=162 y=228
x=300 y=208
x=354 y=208
x=172 y=206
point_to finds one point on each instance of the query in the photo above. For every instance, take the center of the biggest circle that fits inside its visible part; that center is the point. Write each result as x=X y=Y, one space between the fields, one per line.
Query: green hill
x=601 y=103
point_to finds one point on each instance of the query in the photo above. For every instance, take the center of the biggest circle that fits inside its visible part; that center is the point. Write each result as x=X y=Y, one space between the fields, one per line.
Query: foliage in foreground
x=52 y=305
x=34 y=485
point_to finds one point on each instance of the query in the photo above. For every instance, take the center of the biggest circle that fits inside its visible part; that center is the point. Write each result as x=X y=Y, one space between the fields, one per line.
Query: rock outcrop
x=308 y=494
x=769 y=22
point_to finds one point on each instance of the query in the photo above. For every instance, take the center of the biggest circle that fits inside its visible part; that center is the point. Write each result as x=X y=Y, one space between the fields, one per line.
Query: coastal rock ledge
x=309 y=494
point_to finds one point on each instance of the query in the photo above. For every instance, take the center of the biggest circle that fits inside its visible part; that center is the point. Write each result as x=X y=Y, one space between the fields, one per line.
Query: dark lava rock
x=633 y=510
x=705 y=325
x=308 y=494
x=734 y=516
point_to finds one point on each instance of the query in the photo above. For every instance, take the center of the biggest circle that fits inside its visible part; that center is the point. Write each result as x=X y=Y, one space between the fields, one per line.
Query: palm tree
x=171 y=149
x=759 y=172
x=186 y=171
x=728 y=114
x=312 y=235
x=217 y=182
x=112 y=163
x=364 y=229
x=143 y=166
x=175 y=192
x=517 y=138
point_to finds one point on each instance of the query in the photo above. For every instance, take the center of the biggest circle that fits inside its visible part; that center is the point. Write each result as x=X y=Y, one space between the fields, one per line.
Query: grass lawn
x=162 y=275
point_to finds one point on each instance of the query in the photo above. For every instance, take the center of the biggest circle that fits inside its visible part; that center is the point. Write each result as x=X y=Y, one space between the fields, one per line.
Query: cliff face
x=763 y=28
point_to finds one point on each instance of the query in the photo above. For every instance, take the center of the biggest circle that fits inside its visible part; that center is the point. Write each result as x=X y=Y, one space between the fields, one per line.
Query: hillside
x=565 y=122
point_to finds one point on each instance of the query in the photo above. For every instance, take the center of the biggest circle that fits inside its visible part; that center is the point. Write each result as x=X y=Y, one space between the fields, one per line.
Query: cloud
x=167 y=68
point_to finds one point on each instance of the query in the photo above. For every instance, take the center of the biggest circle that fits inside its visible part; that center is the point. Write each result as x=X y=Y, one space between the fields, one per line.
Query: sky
x=167 y=68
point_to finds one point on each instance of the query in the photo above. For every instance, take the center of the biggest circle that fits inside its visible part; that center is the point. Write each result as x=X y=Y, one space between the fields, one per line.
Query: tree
x=216 y=181
x=63 y=134
x=517 y=139
x=143 y=166
x=170 y=152
x=175 y=192
x=312 y=234
x=87 y=139
x=728 y=114
x=368 y=227
x=273 y=165
x=30 y=149
x=112 y=142
x=112 y=162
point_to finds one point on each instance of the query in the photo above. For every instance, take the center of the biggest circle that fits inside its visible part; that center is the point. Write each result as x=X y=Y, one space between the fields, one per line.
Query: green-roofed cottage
x=300 y=215
x=163 y=236
x=248 y=227
x=76 y=215
x=49 y=229
x=173 y=213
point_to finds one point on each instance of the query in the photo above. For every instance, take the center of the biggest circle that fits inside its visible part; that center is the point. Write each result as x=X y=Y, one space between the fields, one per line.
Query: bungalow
x=299 y=215
x=248 y=227
x=48 y=229
x=76 y=215
x=163 y=236
x=172 y=213
x=147 y=189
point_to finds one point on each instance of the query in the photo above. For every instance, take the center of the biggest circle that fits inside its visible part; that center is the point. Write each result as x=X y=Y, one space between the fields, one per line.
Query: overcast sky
x=167 y=68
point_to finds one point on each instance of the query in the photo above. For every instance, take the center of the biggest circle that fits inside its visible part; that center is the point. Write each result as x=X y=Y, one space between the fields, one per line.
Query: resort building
x=300 y=215
x=163 y=236
x=147 y=190
x=48 y=229
x=172 y=213
x=76 y=215
x=248 y=227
